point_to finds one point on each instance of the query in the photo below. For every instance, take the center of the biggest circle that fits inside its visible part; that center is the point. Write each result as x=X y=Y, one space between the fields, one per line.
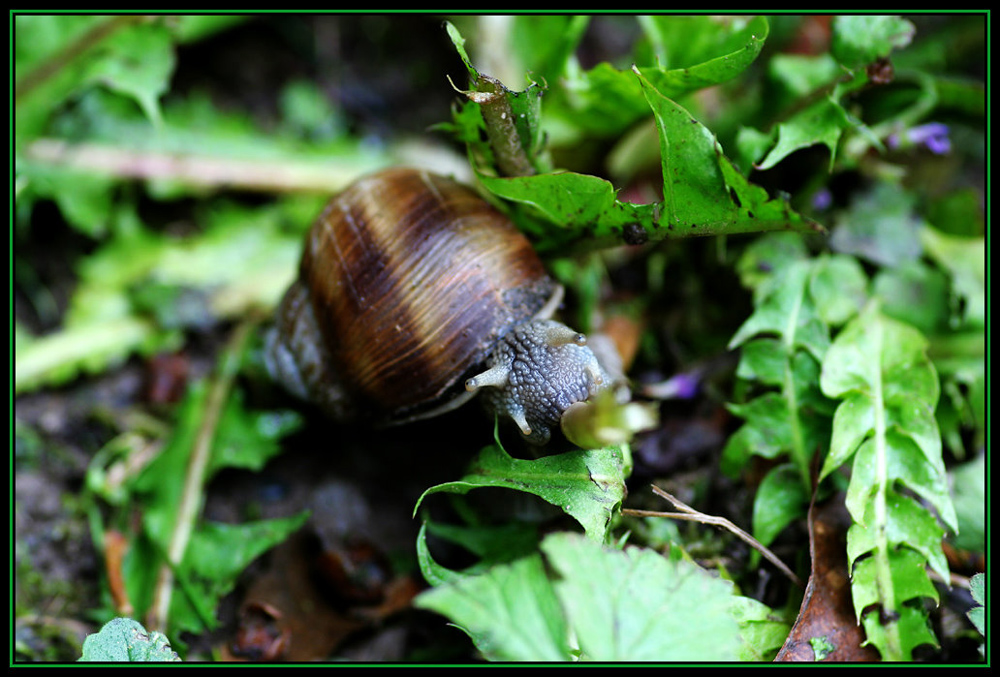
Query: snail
x=414 y=294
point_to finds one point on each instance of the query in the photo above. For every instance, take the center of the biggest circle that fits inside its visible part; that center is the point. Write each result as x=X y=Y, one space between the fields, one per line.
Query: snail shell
x=409 y=285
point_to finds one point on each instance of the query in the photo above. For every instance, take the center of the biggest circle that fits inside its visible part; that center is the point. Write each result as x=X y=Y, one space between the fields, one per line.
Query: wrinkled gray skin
x=537 y=370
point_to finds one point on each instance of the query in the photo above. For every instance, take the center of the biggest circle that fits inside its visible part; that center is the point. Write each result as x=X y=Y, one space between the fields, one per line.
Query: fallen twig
x=691 y=515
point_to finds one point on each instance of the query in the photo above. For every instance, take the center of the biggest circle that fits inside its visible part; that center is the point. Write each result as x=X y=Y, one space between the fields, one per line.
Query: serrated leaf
x=908 y=523
x=794 y=419
x=606 y=100
x=616 y=605
x=215 y=557
x=637 y=605
x=889 y=387
x=909 y=579
x=879 y=368
x=701 y=187
x=57 y=358
x=762 y=360
x=242 y=260
x=126 y=640
x=766 y=432
x=704 y=194
x=822 y=123
x=901 y=461
x=788 y=312
x=588 y=485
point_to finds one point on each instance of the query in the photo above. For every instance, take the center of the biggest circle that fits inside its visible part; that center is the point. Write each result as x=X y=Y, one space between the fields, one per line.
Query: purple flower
x=681 y=386
x=933 y=135
x=822 y=199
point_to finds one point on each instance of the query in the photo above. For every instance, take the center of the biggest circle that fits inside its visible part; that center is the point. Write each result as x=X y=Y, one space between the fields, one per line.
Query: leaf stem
x=194 y=480
x=883 y=568
x=193 y=169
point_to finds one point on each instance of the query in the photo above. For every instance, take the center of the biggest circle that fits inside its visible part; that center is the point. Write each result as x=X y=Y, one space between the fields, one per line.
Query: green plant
x=837 y=182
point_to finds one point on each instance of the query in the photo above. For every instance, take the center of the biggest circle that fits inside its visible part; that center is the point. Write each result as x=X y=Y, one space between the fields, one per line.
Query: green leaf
x=589 y=485
x=762 y=360
x=766 y=432
x=143 y=79
x=635 y=604
x=860 y=39
x=968 y=493
x=822 y=123
x=704 y=194
x=787 y=311
x=908 y=631
x=880 y=226
x=511 y=612
x=78 y=53
x=876 y=364
x=800 y=75
x=907 y=523
x=244 y=259
x=795 y=419
x=781 y=498
x=909 y=579
x=701 y=187
x=215 y=557
x=838 y=287
x=57 y=358
x=977 y=614
x=85 y=199
x=433 y=573
x=606 y=100
x=878 y=367
x=492 y=544
x=915 y=293
x=964 y=258
x=569 y=202
x=629 y=605
x=762 y=631
x=125 y=640
x=216 y=553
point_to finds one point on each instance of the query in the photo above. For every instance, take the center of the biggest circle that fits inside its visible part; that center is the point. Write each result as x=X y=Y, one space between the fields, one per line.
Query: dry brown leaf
x=826 y=617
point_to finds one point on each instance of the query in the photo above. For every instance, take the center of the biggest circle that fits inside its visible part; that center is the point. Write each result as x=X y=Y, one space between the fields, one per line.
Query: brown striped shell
x=409 y=279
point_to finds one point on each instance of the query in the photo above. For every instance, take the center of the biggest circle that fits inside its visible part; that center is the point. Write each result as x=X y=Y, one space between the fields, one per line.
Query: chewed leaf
x=588 y=485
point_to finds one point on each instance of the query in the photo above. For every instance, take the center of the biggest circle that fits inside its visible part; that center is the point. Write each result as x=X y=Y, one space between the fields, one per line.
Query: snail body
x=413 y=295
